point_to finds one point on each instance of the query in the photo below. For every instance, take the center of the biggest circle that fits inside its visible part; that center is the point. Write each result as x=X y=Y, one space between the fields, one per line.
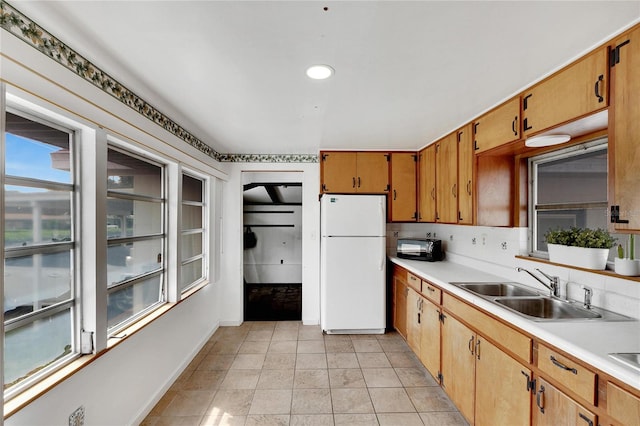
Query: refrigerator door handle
x=382 y=257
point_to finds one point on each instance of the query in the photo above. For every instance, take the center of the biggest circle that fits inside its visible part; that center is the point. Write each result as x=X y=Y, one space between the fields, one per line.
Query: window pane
x=191 y=245
x=36 y=216
x=191 y=217
x=35 y=282
x=29 y=348
x=34 y=150
x=125 y=303
x=132 y=175
x=126 y=261
x=129 y=218
x=191 y=188
x=578 y=179
x=191 y=272
x=582 y=218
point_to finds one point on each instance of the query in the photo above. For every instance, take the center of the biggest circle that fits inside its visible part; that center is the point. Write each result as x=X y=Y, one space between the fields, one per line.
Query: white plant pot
x=588 y=258
x=627 y=267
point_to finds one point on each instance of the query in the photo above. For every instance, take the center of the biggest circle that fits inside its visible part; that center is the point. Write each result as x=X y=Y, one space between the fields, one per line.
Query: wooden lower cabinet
x=553 y=407
x=622 y=405
x=458 y=365
x=414 y=302
x=430 y=337
x=487 y=385
x=400 y=291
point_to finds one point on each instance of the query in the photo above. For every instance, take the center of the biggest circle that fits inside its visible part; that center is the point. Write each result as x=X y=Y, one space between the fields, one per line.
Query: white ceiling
x=233 y=72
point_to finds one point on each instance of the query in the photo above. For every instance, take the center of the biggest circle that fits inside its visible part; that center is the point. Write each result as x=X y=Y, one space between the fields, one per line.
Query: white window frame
x=162 y=272
x=573 y=151
x=204 y=231
x=74 y=303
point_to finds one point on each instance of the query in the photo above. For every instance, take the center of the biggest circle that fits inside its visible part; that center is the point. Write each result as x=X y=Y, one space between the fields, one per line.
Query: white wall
x=121 y=386
x=232 y=252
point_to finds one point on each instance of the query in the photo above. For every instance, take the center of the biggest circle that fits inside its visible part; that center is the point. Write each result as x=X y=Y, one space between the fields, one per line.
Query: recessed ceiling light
x=319 y=72
x=546 y=140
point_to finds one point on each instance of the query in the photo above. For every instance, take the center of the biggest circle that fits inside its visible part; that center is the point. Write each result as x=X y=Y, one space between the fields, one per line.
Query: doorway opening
x=272 y=265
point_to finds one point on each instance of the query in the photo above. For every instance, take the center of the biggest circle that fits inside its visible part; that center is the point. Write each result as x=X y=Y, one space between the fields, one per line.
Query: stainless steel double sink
x=536 y=306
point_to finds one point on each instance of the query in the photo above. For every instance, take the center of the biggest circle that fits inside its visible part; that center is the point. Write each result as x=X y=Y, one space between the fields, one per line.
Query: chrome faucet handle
x=588 y=292
x=554 y=282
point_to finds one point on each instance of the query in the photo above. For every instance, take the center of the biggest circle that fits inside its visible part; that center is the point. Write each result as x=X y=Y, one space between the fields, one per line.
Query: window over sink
x=567 y=188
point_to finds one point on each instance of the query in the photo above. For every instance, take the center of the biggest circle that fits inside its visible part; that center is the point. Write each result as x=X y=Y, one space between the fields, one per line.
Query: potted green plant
x=582 y=247
x=628 y=265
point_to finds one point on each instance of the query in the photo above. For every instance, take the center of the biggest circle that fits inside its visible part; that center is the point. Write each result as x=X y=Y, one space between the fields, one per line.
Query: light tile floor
x=286 y=373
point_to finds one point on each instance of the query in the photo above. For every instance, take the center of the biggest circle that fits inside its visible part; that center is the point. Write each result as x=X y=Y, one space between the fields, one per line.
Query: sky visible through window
x=29 y=158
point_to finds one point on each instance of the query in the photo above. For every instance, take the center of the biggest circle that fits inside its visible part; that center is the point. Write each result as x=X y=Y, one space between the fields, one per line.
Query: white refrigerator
x=353 y=264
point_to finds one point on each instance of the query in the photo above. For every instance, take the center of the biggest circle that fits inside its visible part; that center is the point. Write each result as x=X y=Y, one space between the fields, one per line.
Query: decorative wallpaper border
x=28 y=31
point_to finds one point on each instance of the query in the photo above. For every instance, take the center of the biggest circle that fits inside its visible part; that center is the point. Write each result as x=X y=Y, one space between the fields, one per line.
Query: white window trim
x=591 y=146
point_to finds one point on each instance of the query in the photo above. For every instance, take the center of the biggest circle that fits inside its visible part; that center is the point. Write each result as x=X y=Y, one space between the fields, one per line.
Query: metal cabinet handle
x=469 y=187
x=394 y=195
x=353 y=185
x=599 y=82
x=586 y=419
x=454 y=190
x=358 y=181
x=561 y=365
x=431 y=289
x=513 y=126
x=540 y=399
x=471 y=345
x=478 y=349
x=433 y=193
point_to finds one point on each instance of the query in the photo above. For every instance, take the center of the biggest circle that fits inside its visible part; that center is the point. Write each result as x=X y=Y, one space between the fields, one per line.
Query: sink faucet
x=553 y=286
x=587 y=296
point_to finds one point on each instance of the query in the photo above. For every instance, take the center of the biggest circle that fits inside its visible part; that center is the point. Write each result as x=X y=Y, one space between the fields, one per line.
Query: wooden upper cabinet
x=624 y=132
x=578 y=90
x=403 y=187
x=427 y=184
x=497 y=127
x=447 y=179
x=465 y=176
x=354 y=172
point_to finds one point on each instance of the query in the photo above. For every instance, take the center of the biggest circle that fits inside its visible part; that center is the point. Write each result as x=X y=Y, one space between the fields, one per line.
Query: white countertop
x=588 y=340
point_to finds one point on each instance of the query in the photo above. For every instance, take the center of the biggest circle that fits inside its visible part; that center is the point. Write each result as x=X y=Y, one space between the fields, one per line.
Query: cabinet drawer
x=414 y=282
x=432 y=292
x=507 y=337
x=574 y=376
x=623 y=406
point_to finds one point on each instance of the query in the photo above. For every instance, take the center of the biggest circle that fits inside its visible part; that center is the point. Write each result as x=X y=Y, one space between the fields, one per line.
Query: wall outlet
x=77 y=417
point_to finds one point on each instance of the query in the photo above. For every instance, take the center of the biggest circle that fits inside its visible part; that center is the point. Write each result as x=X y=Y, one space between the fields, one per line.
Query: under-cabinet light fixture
x=320 y=72
x=546 y=140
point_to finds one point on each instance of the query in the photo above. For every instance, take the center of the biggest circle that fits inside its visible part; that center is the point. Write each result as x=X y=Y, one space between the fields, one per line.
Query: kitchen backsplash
x=494 y=250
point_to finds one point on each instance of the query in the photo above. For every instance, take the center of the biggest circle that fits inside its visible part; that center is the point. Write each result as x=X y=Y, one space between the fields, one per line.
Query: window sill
x=606 y=272
x=29 y=395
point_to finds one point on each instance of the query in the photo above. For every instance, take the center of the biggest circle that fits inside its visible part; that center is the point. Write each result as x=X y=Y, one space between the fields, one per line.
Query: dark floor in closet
x=272 y=302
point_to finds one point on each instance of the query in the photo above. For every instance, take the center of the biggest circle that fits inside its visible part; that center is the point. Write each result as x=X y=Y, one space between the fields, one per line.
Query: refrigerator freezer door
x=353 y=215
x=353 y=285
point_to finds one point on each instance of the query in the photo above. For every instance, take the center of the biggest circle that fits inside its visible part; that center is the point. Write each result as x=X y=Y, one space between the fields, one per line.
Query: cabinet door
x=400 y=305
x=622 y=405
x=465 y=176
x=574 y=92
x=497 y=127
x=430 y=337
x=624 y=129
x=427 y=184
x=502 y=393
x=458 y=365
x=447 y=179
x=372 y=172
x=403 y=187
x=338 y=172
x=414 y=318
x=555 y=408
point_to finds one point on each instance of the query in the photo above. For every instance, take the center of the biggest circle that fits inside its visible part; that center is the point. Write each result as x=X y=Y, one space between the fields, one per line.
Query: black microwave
x=426 y=249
